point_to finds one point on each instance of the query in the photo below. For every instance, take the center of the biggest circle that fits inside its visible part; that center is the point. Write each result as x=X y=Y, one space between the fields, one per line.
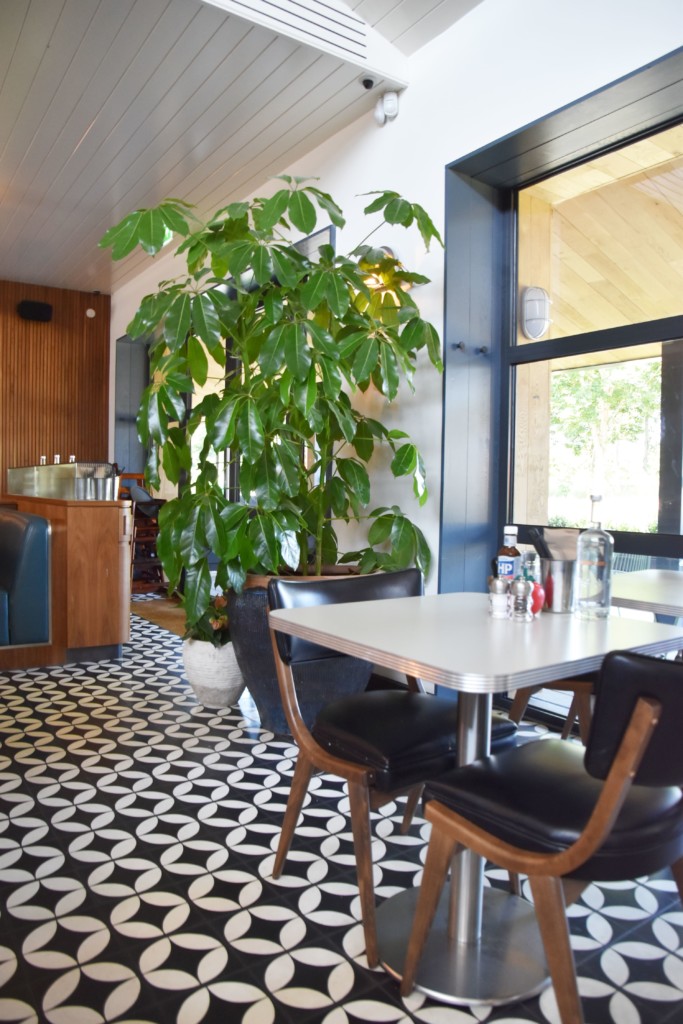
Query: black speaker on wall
x=29 y=310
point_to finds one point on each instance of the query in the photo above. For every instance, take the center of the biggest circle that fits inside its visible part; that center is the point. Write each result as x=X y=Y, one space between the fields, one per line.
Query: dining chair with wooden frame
x=383 y=743
x=566 y=817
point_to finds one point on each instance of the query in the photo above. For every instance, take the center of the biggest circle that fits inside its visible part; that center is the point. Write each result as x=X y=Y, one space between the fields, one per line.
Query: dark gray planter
x=316 y=682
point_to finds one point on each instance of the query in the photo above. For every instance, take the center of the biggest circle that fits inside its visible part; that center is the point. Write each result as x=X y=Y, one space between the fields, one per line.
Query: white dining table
x=651 y=590
x=495 y=955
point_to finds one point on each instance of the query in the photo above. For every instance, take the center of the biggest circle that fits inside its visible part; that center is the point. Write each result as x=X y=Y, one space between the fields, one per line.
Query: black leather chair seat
x=370 y=729
x=541 y=798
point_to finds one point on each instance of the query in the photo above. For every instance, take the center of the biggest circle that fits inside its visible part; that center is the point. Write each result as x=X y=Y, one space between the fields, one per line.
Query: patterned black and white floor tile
x=137 y=831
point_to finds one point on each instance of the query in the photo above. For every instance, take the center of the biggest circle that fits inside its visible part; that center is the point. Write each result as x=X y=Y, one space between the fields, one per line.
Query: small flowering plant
x=213 y=625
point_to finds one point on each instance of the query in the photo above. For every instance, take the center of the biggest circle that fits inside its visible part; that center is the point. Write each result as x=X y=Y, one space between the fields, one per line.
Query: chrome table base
x=506 y=965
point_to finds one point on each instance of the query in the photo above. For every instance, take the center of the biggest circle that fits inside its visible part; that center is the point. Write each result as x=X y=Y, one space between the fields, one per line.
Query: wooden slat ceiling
x=111 y=105
x=615 y=244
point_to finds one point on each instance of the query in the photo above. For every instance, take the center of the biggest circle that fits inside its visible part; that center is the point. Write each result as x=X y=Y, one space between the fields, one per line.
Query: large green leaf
x=153 y=231
x=405 y=460
x=403 y=545
x=365 y=359
x=287 y=461
x=387 y=378
x=286 y=268
x=345 y=420
x=423 y=557
x=314 y=291
x=273 y=306
x=250 y=434
x=124 y=236
x=304 y=395
x=192 y=537
x=380 y=530
x=290 y=550
x=197 y=360
x=265 y=482
x=174 y=216
x=322 y=340
x=337 y=294
x=297 y=352
x=205 y=322
x=327 y=203
x=239 y=256
x=272 y=355
x=331 y=377
x=214 y=526
x=221 y=428
x=301 y=212
x=363 y=441
x=398 y=211
x=420 y=481
x=177 y=322
x=338 y=497
x=262 y=264
x=265 y=542
x=419 y=333
x=196 y=592
x=426 y=226
x=269 y=213
x=152 y=419
x=356 y=478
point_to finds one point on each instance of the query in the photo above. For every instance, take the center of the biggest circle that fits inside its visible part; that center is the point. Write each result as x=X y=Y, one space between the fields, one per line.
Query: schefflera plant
x=301 y=333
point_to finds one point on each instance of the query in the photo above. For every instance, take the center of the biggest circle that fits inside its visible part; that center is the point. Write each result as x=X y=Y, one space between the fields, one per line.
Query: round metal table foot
x=506 y=966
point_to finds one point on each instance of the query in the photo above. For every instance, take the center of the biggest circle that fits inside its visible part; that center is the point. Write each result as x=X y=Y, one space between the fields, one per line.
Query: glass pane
x=603 y=241
x=608 y=423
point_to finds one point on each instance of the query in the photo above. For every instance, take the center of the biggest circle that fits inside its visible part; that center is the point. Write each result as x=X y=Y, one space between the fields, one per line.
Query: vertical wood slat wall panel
x=54 y=378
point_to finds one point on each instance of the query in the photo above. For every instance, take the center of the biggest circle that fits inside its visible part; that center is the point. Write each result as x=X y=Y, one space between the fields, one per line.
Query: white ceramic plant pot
x=213 y=673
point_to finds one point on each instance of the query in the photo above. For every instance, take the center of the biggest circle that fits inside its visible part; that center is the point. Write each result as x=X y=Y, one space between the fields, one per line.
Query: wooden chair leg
x=520 y=702
x=552 y=921
x=571 y=717
x=582 y=709
x=677 y=872
x=414 y=796
x=359 y=801
x=303 y=771
x=585 y=712
x=515 y=884
x=439 y=855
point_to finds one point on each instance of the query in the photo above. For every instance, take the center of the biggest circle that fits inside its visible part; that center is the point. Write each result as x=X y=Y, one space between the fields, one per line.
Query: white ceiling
x=111 y=105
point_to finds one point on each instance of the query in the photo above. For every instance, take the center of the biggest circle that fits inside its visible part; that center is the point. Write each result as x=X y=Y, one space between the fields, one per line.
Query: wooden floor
x=162 y=612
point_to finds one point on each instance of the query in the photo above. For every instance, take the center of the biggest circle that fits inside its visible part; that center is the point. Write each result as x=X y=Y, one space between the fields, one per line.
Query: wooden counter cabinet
x=90 y=581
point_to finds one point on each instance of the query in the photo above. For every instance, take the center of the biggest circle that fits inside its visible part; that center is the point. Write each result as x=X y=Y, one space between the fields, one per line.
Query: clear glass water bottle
x=594 y=568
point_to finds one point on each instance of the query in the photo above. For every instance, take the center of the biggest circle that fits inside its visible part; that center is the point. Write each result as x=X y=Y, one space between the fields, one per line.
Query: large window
x=600 y=263
x=485 y=352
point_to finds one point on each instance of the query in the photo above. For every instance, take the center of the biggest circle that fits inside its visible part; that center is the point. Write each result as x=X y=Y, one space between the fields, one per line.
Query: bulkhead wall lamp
x=386 y=108
x=535 y=312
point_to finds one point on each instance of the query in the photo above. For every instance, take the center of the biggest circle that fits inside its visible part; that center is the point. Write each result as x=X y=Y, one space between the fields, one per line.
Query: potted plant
x=294 y=335
x=209 y=657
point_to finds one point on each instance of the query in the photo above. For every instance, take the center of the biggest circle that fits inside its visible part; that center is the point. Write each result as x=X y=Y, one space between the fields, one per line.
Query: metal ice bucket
x=557 y=577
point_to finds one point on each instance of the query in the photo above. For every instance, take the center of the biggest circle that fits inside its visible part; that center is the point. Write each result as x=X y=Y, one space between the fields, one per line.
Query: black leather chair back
x=624 y=678
x=303 y=593
x=25 y=575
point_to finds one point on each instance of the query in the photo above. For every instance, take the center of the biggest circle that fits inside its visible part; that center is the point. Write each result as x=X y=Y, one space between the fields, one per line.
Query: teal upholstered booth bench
x=24 y=578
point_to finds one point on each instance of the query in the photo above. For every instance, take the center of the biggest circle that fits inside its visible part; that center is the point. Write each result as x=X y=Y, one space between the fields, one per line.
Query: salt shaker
x=498 y=598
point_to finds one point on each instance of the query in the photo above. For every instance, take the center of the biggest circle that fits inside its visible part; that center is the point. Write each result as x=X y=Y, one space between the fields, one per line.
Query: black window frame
x=480 y=353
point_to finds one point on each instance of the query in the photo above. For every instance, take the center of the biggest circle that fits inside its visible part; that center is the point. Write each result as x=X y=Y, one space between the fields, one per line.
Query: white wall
x=501 y=67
